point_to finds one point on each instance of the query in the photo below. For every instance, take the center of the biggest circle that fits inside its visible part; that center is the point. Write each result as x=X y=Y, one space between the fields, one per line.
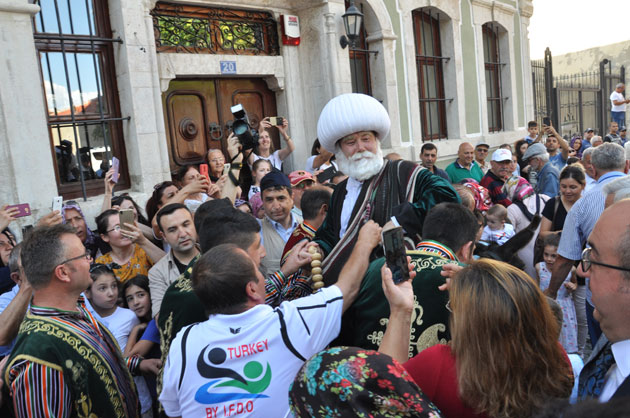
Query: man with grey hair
x=63 y=359
x=617 y=190
x=618 y=105
x=596 y=141
x=609 y=163
x=548 y=176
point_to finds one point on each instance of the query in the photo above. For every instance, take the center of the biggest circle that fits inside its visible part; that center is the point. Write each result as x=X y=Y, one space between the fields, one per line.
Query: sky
x=573 y=25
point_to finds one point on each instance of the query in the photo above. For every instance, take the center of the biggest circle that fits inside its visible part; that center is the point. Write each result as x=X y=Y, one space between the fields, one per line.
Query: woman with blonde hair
x=504 y=359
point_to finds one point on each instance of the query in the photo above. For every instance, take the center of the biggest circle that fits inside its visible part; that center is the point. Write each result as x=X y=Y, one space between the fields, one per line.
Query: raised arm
x=286 y=151
x=353 y=271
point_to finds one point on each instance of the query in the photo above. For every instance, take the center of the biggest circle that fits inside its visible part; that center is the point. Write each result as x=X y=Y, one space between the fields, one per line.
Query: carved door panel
x=198 y=116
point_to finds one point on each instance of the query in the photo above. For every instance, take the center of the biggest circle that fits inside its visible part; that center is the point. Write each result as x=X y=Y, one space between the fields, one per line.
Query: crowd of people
x=272 y=297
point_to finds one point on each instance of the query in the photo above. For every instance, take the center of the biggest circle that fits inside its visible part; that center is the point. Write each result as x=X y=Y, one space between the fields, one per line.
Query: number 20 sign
x=228 y=67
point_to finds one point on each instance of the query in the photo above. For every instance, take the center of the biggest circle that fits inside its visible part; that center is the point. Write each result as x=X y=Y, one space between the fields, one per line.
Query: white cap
x=502 y=154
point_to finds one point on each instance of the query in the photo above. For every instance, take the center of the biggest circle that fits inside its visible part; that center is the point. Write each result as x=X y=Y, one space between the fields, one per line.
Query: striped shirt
x=39 y=390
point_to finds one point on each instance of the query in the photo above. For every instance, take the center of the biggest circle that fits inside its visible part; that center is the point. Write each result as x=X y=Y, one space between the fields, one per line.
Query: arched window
x=492 y=64
x=429 y=62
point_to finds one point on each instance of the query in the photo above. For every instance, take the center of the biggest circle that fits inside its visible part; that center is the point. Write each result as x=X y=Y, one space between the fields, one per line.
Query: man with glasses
x=63 y=359
x=609 y=163
x=481 y=153
x=606 y=262
x=216 y=159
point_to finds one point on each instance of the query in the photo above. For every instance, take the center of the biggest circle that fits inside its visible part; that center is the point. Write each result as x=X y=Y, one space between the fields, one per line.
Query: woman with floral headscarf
x=354 y=382
x=525 y=204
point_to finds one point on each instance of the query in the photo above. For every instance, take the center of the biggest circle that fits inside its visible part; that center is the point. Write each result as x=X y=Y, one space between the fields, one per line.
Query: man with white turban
x=401 y=192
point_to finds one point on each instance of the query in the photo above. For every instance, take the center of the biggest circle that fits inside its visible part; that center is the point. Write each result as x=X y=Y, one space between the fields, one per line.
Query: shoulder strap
x=184 y=338
x=524 y=209
x=556 y=205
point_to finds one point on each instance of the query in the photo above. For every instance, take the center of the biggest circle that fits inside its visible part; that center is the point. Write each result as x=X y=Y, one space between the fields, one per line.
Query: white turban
x=350 y=113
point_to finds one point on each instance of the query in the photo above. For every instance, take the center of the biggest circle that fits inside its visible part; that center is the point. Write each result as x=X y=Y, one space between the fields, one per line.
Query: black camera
x=247 y=136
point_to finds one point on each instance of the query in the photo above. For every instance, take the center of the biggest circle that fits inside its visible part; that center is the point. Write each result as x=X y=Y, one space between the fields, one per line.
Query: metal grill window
x=492 y=63
x=74 y=44
x=213 y=30
x=360 y=62
x=429 y=63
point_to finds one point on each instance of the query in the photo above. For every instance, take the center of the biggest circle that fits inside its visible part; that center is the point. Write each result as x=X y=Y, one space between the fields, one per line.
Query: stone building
x=152 y=82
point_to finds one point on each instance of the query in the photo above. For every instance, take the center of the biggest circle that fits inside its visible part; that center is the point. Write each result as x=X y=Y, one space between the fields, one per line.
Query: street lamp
x=352 y=20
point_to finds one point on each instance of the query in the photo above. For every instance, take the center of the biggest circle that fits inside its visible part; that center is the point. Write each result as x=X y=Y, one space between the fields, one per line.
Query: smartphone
x=396 y=254
x=116 y=167
x=276 y=120
x=327 y=174
x=23 y=209
x=126 y=217
x=226 y=169
x=26 y=231
x=57 y=203
x=203 y=170
x=547 y=121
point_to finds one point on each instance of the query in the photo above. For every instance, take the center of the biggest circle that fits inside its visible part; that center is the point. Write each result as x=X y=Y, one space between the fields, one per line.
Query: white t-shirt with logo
x=619 y=97
x=243 y=364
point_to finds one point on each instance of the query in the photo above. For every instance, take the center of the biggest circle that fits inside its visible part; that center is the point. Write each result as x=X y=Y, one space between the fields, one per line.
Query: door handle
x=215 y=132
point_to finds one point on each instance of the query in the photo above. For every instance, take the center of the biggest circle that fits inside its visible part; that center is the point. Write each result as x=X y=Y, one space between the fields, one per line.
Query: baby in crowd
x=496 y=230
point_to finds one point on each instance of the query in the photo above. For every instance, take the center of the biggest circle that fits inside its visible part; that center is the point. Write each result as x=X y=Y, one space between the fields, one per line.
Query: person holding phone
x=264 y=150
x=131 y=250
x=449 y=233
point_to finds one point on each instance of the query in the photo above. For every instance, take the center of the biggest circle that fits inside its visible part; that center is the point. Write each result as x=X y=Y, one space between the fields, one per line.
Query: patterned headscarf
x=256 y=202
x=480 y=194
x=71 y=204
x=517 y=188
x=353 y=382
x=577 y=138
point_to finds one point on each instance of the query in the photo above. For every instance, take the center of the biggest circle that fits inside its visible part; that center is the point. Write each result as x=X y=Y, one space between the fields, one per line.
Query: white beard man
x=352 y=126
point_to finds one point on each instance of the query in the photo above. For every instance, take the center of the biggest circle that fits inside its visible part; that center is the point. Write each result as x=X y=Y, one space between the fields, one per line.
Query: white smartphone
x=226 y=168
x=57 y=203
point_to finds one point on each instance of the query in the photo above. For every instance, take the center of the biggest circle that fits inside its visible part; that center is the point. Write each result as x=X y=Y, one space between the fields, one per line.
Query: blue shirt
x=581 y=220
x=284 y=233
x=548 y=181
x=5 y=299
x=558 y=161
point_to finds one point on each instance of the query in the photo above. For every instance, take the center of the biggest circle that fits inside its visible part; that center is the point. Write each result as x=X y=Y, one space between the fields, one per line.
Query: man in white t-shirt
x=242 y=360
x=618 y=105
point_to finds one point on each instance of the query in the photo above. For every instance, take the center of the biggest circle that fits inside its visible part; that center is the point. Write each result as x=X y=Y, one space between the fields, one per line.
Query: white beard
x=362 y=165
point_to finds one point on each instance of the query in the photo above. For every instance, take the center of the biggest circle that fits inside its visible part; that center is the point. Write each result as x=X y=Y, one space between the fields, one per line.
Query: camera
x=248 y=137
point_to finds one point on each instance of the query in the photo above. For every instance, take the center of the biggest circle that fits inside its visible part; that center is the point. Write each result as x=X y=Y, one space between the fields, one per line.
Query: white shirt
x=243 y=364
x=274 y=159
x=618 y=371
x=619 y=97
x=353 y=189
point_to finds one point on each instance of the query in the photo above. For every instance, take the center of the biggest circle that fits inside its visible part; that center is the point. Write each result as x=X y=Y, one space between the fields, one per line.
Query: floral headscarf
x=517 y=188
x=71 y=204
x=353 y=382
x=480 y=194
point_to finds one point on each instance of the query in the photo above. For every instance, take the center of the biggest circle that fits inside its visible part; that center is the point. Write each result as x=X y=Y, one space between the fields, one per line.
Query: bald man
x=464 y=167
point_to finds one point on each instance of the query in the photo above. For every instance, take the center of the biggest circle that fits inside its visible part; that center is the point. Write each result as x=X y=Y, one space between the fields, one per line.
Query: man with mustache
x=352 y=127
x=499 y=172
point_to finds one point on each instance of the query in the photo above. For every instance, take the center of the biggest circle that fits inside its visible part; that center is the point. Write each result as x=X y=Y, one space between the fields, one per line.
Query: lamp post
x=352 y=20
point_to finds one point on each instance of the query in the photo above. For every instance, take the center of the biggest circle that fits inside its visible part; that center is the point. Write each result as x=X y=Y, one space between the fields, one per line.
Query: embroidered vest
x=95 y=389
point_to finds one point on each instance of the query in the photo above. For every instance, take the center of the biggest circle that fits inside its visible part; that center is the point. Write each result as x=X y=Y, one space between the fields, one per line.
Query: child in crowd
x=144 y=338
x=568 y=334
x=259 y=170
x=496 y=230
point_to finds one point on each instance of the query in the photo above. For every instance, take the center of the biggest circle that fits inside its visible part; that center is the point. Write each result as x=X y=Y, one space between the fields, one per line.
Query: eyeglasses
x=304 y=184
x=117 y=228
x=85 y=255
x=586 y=262
x=482 y=149
x=218 y=160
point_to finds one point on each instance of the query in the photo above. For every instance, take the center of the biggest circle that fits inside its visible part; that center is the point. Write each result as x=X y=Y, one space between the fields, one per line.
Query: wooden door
x=198 y=116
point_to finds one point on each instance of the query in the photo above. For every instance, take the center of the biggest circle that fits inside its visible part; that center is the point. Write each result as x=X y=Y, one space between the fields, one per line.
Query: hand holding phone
x=396 y=254
x=126 y=217
x=57 y=203
x=226 y=169
x=116 y=167
x=276 y=120
x=23 y=209
x=203 y=170
x=547 y=121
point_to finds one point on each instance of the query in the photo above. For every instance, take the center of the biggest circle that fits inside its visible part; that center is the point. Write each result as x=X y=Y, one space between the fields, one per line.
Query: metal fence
x=574 y=102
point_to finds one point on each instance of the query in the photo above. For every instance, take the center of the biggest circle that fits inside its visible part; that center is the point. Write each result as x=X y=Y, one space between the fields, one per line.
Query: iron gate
x=574 y=102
